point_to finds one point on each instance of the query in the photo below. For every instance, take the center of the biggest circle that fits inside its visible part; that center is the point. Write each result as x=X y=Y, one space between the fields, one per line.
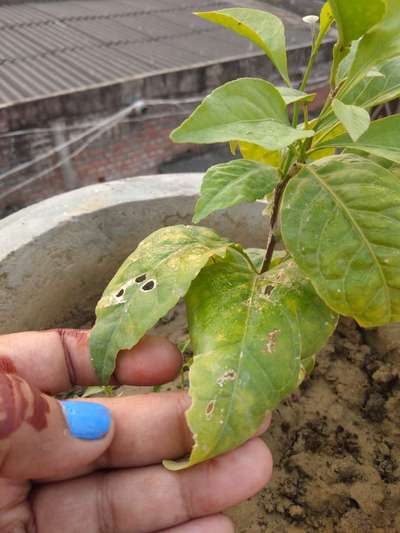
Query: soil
x=336 y=447
x=335 y=443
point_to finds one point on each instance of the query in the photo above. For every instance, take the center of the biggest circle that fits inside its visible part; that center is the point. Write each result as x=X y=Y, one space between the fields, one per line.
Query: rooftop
x=58 y=47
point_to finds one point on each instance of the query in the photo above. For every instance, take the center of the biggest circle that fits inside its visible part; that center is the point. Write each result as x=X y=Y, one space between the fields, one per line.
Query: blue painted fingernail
x=87 y=420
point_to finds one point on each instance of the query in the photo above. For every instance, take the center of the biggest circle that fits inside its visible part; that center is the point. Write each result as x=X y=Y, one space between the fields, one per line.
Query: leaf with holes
x=147 y=285
x=232 y=183
x=381 y=139
x=356 y=120
x=341 y=222
x=260 y=27
x=248 y=109
x=253 y=336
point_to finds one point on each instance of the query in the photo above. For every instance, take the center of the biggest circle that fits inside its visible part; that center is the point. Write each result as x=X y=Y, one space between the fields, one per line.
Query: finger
x=148 y=428
x=56 y=360
x=217 y=523
x=152 y=498
x=42 y=437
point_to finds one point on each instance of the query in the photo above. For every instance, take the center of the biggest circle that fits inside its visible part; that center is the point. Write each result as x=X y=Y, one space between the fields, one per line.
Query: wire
x=146 y=103
x=98 y=129
x=71 y=156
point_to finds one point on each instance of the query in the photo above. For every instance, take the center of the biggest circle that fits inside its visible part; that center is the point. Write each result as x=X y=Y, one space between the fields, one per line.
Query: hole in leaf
x=149 y=285
x=140 y=278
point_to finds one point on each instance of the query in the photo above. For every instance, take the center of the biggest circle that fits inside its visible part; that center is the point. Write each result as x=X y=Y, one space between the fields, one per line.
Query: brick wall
x=136 y=146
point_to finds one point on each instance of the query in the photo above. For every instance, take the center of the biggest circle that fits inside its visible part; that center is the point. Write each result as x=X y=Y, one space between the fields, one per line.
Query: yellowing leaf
x=252 y=152
x=253 y=337
x=260 y=27
x=147 y=285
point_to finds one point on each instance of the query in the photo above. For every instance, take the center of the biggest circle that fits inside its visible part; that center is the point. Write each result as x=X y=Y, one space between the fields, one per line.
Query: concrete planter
x=57 y=256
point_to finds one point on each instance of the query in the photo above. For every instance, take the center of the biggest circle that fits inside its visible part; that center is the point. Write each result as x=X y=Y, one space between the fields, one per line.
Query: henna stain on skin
x=7 y=366
x=14 y=405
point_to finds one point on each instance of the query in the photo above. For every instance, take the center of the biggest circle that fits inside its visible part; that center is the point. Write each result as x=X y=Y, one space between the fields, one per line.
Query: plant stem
x=272 y=241
x=314 y=53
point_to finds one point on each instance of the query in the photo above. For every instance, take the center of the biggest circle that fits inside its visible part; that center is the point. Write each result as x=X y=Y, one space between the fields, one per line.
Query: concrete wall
x=136 y=147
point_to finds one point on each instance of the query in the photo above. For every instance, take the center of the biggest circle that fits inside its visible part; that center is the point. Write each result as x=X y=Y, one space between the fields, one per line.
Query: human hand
x=94 y=466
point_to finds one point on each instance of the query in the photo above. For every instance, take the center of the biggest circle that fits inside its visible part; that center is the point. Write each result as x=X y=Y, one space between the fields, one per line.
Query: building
x=90 y=89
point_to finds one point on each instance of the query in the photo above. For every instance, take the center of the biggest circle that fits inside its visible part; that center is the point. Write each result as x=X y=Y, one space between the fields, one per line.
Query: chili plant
x=257 y=318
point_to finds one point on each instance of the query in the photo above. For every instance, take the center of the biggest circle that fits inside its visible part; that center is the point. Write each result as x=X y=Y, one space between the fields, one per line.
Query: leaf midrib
x=239 y=365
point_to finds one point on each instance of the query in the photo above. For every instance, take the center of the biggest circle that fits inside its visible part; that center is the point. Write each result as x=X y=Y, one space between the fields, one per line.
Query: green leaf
x=326 y=19
x=355 y=119
x=232 y=183
x=355 y=17
x=247 y=109
x=378 y=45
x=291 y=96
x=376 y=90
x=252 y=337
x=341 y=223
x=260 y=27
x=381 y=139
x=147 y=285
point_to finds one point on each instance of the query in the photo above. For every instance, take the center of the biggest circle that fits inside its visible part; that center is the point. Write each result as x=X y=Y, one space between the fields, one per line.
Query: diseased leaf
x=260 y=27
x=355 y=119
x=147 y=285
x=252 y=336
x=381 y=139
x=248 y=109
x=232 y=183
x=378 y=45
x=340 y=220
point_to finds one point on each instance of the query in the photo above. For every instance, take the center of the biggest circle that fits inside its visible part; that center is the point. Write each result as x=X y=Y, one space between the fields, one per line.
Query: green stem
x=314 y=53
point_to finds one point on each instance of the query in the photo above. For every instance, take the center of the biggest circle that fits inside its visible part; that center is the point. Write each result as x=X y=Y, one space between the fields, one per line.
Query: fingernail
x=87 y=420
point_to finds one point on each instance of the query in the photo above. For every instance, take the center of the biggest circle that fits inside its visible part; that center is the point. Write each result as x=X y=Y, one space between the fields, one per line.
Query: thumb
x=41 y=437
